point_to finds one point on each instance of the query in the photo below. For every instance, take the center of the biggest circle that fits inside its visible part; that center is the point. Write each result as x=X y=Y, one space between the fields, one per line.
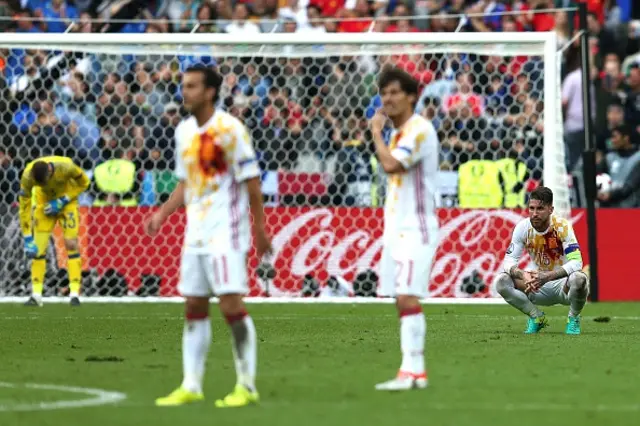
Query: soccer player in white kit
x=554 y=249
x=219 y=183
x=410 y=223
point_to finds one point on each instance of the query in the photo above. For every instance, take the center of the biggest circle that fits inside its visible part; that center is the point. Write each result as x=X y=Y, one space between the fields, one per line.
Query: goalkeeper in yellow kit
x=49 y=188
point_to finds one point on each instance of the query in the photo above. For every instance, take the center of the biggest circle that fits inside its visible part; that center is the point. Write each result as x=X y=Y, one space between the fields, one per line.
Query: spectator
x=573 y=112
x=269 y=21
x=297 y=11
x=116 y=182
x=632 y=102
x=59 y=16
x=356 y=19
x=181 y=11
x=615 y=119
x=623 y=165
x=240 y=24
x=315 y=24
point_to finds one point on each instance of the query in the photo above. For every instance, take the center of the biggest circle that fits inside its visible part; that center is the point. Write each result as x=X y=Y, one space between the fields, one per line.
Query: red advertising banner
x=346 y=240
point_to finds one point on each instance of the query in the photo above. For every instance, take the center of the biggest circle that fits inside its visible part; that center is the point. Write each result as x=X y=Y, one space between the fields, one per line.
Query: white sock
x=413 y=330
x=195 y=347
x=244 y=348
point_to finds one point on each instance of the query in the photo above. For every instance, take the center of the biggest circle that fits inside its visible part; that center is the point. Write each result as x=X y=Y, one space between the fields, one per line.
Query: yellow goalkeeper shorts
x=68 y=219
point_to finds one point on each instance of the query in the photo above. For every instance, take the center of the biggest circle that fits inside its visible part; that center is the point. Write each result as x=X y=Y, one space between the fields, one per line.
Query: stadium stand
x=96 y=110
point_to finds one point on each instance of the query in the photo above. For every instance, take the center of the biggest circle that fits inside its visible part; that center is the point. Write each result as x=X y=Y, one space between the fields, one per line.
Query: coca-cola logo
x=325 y=242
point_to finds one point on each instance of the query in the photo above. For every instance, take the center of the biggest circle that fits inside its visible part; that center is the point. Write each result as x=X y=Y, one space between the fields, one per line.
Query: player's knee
x=578 y=281
x=503 y=283
x=231 y=304
x=71 y=245
x=196 y=307
x=407 y=302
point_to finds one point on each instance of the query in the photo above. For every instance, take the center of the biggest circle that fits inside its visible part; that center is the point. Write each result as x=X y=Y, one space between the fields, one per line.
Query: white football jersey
x=213 y=161
x=556 y=247
x=409 y=213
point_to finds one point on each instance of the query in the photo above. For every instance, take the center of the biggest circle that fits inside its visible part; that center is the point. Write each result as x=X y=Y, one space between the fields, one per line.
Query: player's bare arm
x=263 y=244
x=388 y=162
x=175 y=201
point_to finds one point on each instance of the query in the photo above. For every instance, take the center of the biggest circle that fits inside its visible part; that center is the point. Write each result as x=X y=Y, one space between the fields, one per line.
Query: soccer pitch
x=317 y=366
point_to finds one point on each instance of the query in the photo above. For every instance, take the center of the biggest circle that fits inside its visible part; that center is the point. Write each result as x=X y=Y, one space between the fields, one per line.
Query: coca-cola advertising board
x=343 y=241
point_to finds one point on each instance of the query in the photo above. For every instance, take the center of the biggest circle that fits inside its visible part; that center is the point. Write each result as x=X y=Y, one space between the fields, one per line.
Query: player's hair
x=542 y=194
x=210 y=77
x=40 y=172
x=408 y=84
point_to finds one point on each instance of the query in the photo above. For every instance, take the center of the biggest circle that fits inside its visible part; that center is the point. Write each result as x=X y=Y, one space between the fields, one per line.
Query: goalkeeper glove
x=30 y=248
x=54 y=207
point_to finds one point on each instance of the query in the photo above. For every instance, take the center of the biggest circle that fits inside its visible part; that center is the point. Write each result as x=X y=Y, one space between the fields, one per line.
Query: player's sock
x=245 y=348
x=74 y=266
x=413 y=329
x=515 y=297
x=578 y=292
x=38 y=269
x=195 y=347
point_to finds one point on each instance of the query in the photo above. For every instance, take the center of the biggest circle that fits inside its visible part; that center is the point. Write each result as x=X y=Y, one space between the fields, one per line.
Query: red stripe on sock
x=411 y=311
x=236 y=317
x=194 y=316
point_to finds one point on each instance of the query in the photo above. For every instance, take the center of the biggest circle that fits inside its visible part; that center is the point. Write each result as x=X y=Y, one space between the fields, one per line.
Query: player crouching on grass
x=49 y=188
x=554 y=249
x=219 y=184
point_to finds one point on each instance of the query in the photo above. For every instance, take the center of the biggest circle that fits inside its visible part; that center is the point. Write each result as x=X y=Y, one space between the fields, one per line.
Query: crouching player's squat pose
x=553 y=247
x=219 y=183
x=49 y=188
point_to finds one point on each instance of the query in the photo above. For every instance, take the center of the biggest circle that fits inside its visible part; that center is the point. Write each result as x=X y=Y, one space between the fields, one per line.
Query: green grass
x=318 y=365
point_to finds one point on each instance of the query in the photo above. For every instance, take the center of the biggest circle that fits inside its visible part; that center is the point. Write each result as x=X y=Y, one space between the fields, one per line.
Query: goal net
x=306 y=101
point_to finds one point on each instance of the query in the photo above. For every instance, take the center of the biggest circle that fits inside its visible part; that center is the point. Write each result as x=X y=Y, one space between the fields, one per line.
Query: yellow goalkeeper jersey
x=67 y=180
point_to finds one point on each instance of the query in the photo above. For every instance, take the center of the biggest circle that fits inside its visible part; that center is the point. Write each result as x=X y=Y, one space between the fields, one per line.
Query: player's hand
x=53 y=208
x=527 y=277
x=153 y=224
x=30 y=248
x=263 y=243
x=538 y=279
x=378 y=121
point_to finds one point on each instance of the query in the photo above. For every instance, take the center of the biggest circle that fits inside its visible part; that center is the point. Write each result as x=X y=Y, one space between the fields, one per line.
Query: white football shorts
x=405 y=270
x=213 y=274
x=554 y=292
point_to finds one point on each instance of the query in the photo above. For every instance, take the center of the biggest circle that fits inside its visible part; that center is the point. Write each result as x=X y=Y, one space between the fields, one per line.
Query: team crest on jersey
x=211 y=156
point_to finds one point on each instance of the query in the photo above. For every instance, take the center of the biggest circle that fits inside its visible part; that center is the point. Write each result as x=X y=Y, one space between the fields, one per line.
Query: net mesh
x=307 y=109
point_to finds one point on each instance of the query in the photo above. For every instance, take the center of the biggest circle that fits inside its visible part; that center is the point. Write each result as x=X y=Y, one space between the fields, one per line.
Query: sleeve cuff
x=403 y=155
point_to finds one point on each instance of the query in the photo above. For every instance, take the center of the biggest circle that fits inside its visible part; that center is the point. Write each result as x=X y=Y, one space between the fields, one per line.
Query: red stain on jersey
x=551 y=248
x=212 y=157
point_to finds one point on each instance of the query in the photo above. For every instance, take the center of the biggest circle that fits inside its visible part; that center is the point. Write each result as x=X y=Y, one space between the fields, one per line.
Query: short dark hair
x=40 y=172
x=408 y=84
x=622 y=129
x=542 y=194
x=211 y=78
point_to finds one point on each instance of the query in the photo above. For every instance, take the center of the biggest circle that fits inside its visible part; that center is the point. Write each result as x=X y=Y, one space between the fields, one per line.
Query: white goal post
x=339 y=246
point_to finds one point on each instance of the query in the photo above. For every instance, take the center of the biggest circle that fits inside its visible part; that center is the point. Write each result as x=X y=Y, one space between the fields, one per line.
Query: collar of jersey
x=209 y=122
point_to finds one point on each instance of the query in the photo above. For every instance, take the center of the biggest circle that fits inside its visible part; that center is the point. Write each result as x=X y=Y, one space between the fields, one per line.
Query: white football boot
x=404 y=381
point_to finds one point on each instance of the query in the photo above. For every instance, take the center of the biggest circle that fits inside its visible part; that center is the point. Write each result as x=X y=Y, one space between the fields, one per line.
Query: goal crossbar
x=526 y=40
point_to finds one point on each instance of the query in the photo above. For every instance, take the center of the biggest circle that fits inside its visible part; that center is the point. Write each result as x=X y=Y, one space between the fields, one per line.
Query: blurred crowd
x=310 y=114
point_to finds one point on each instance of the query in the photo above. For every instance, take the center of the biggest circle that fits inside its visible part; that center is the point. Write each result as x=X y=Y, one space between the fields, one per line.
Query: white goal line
x=272 y=300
